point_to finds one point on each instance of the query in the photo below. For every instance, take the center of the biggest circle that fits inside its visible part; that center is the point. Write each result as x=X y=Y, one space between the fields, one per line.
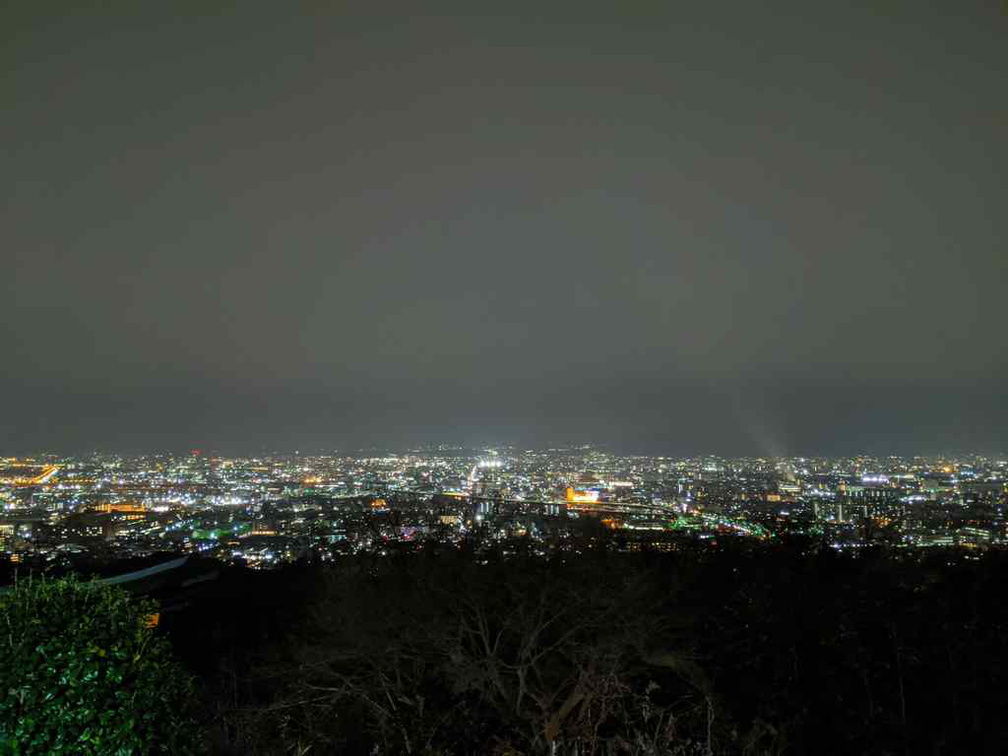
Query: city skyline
x=269 y=510
x=567 y=378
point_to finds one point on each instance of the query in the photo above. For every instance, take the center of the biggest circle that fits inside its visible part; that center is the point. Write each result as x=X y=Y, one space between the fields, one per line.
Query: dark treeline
x=745 y=648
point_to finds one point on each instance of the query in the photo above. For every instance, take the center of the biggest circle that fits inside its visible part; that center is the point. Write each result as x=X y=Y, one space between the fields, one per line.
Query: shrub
x=82 y=672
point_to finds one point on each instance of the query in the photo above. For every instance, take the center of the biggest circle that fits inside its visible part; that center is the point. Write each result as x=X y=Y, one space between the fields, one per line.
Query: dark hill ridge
x=760 y=648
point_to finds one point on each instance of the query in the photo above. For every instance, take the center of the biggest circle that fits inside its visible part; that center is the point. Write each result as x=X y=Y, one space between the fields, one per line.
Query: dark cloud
x=731 y=229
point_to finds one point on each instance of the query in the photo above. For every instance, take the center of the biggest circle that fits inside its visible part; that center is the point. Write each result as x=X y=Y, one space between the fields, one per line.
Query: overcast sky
x=661 y=227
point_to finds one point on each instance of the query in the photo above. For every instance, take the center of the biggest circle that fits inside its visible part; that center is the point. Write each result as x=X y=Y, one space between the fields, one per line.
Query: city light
x=268 y=510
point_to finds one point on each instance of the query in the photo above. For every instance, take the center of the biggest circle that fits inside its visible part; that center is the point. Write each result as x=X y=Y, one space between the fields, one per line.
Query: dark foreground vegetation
x=83 y=674
x=743 y=648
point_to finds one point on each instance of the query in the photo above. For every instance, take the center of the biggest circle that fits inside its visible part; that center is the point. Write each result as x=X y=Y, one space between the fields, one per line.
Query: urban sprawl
x=269 y=510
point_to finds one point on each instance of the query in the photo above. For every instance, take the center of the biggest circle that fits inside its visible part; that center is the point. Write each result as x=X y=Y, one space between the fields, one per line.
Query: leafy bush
x=81 y=672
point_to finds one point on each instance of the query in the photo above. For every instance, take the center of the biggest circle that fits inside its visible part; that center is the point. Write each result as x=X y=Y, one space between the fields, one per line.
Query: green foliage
x=81 y=673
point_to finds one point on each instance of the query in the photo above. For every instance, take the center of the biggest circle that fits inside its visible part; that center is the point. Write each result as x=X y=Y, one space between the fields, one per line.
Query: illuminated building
x=581 y=497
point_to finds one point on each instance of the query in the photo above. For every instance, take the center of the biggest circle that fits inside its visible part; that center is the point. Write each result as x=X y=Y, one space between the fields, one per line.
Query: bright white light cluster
x=874 y=478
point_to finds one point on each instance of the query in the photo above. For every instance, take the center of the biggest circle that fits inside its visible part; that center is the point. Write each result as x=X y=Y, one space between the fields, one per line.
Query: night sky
x=659 y=227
